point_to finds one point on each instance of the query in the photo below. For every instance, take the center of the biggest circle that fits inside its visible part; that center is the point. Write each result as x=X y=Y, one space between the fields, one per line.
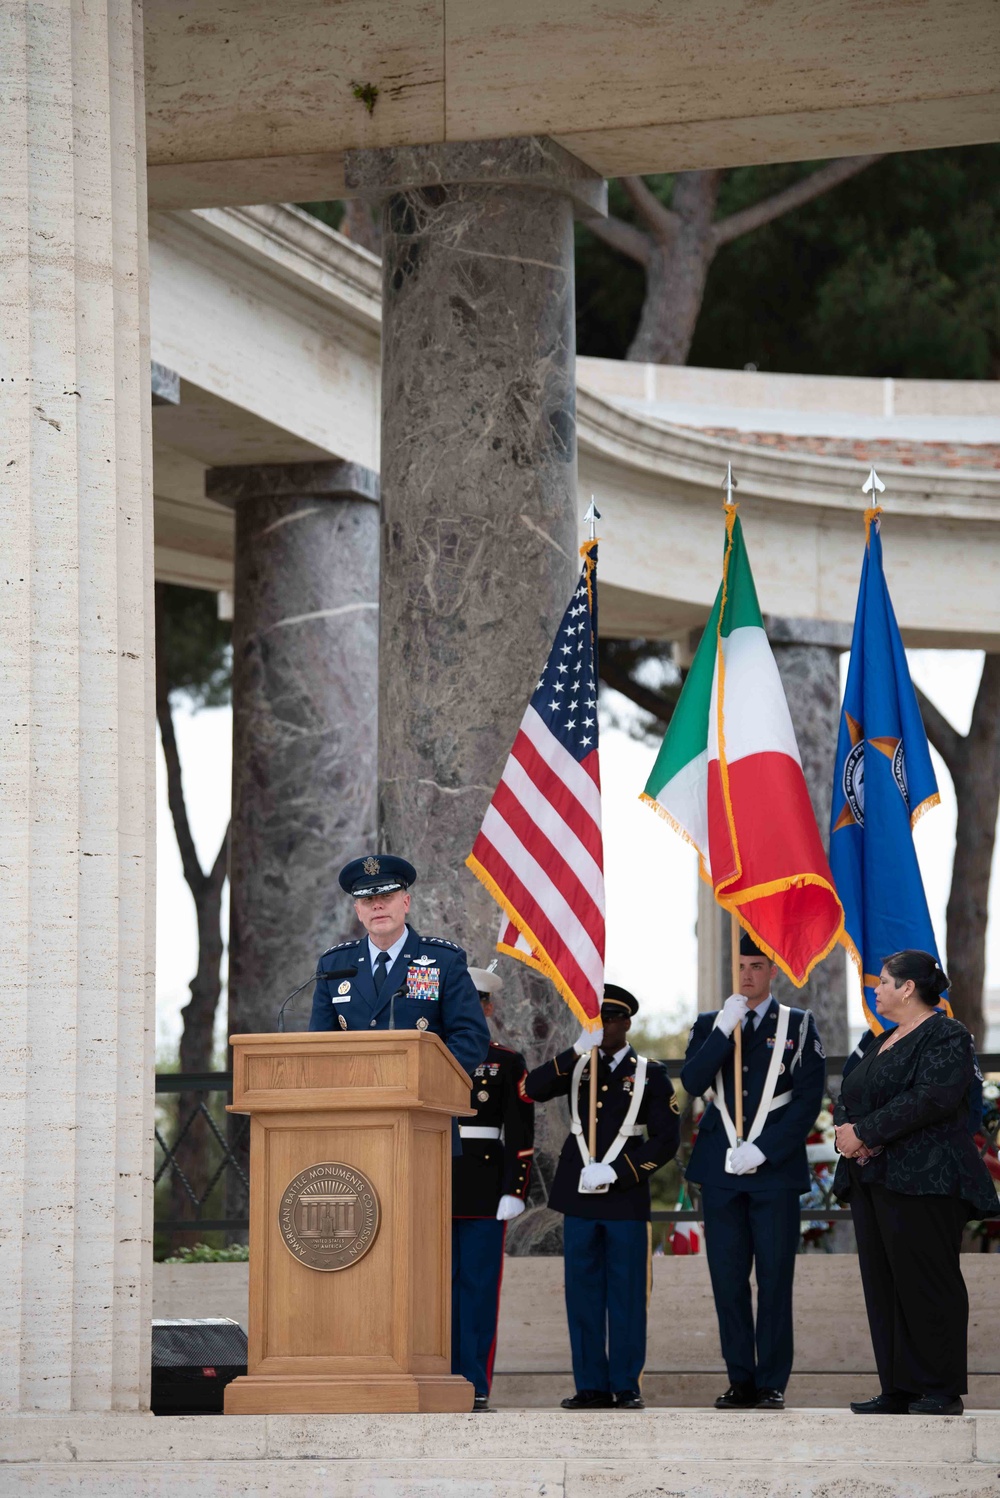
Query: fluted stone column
x=479 y=522
x=76 y=713
x=305 y=668
x=807 y=653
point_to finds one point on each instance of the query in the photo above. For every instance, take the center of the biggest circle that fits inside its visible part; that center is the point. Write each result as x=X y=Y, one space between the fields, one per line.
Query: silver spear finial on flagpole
x=729 y=484
x=592 y=516
x=873 y=485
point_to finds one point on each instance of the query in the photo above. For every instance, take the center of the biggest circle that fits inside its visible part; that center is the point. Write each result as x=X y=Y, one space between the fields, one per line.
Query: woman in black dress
x=913 y=1177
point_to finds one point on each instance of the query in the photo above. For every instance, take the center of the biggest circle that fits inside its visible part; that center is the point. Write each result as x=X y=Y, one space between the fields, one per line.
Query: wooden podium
x=350 y=1222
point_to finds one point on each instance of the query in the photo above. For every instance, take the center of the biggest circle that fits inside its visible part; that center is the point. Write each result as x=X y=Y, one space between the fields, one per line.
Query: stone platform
x=512 y=1454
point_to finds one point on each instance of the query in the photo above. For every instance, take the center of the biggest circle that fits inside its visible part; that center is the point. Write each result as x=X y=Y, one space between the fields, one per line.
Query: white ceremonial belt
x=476 y=1131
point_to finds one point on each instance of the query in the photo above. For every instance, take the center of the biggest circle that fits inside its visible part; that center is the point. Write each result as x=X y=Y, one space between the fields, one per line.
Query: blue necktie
x=381 y=968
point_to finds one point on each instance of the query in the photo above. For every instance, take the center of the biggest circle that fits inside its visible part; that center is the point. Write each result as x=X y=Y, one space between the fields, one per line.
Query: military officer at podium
x=393 y=979
x=605 y=1202
x=489 y=1184
x=750 y=1190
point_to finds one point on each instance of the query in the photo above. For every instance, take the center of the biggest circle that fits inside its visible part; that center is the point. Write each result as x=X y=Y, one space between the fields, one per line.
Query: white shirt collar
x=617 y=1057
x=758 y=1014
x=393 y=951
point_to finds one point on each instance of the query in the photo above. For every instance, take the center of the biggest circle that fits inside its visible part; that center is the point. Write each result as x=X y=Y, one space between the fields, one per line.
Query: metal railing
x=202 y=1156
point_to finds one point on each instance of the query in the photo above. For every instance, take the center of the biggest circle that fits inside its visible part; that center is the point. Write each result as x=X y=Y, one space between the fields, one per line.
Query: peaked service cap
x=620 y=998
x=377 y=874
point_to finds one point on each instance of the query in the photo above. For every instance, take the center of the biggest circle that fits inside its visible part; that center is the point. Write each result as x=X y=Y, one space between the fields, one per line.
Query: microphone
x=336 y=974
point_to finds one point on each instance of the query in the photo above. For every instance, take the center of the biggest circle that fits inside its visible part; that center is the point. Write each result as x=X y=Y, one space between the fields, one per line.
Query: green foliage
x=197 y=646
x=331 y=214
x=895 y=272
x=204 y=1253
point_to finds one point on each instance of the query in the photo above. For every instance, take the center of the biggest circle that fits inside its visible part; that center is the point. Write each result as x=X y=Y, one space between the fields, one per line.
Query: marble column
x=479 y=514
x=76 y=713
x=305 y=669
x=807 y=653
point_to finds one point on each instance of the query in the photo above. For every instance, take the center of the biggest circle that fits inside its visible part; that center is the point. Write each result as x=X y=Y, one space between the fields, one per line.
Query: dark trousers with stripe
x=743 y=1230
x=917 y=1303
x=607 y=1268
x=476 y=1273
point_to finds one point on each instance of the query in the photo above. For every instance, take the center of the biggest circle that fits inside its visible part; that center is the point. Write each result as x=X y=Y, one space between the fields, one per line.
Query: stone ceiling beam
x=256 y=102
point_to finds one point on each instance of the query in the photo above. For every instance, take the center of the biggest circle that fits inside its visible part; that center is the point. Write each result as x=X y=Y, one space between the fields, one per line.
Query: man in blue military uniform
x=750 y=1190
x=489 y=1183
x=605 y=1201
x=393 y=979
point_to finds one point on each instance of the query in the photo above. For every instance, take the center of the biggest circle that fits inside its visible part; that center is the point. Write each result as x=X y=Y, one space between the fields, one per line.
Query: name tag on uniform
x=343 y=994
x=423 y=983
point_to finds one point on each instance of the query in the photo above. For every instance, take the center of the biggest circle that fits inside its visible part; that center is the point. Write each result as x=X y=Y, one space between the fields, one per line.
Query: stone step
x=669 y=1434
x=513 y=1477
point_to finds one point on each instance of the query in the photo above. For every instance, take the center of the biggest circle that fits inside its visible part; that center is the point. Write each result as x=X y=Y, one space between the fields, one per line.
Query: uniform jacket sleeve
x=552 y=1078
x=324 y=1013
x=707 y=1050
x=947 y=1068
x=786 y=1129
x=663 y=1127
x=518 y=1132
x=463 y=1023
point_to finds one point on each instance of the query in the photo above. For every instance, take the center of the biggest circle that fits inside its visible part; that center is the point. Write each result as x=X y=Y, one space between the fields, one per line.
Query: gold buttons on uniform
x=605 y=1087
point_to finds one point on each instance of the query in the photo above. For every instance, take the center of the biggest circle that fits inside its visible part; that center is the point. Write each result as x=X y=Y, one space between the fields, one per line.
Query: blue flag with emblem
x=883 y=781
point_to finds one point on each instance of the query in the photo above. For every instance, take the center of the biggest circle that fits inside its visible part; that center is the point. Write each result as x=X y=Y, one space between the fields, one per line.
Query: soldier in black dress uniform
x=605 y=1202
x=489 y=1184
x=750 y=1191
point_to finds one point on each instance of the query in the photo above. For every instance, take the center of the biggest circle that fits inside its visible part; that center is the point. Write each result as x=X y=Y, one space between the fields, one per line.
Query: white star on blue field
x=566 y=695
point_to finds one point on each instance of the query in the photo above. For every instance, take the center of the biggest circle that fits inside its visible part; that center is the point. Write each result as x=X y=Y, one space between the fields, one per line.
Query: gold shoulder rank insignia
x=674 y=1104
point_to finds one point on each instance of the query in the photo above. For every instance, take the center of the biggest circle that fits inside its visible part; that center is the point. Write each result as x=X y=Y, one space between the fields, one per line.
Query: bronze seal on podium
x=329 y=1216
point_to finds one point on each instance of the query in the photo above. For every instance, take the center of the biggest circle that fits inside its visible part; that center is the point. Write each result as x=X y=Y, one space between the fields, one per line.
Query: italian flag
x=729 y=779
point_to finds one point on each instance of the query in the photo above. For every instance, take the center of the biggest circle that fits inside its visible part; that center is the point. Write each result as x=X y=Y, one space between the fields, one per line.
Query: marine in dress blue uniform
x=752 y=1209
x=393 y=978
x=489 y=1183
x=606 y=1233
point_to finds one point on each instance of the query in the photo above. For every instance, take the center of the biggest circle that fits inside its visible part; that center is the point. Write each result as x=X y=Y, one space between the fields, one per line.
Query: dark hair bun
x=922 y=969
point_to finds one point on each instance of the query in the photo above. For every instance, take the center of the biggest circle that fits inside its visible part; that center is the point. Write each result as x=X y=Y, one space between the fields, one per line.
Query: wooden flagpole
x=592 y=516
x=734 y=952
x=592 y=1133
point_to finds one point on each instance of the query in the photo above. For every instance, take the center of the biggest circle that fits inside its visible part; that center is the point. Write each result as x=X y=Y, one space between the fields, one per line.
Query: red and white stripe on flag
x=540 y=851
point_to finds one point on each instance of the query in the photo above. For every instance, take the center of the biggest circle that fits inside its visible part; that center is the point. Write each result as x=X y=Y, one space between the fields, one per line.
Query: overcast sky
x=651 y=875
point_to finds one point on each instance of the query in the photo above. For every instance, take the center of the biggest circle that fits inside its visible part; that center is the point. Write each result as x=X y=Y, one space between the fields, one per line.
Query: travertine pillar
x=807 y=653
x=76 y=713
x=479 y=524
x=305 y=669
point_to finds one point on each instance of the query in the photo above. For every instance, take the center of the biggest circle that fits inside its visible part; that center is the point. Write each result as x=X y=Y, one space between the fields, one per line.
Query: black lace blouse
x=913 y=1101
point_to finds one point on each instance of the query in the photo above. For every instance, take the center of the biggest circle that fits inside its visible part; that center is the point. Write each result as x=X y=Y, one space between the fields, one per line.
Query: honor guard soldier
x=605 y=1202
x=489 y=1184
x=750 y=1190
x=393 y=979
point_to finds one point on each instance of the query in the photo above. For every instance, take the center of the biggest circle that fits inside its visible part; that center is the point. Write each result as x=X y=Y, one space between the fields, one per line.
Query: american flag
x=540 y=852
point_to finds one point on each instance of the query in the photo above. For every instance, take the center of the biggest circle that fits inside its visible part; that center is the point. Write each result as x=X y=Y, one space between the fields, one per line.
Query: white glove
x=595 y=1174
x=510 y=1206
x=733 y=1013
x=745 y=1158
x=587 y=1040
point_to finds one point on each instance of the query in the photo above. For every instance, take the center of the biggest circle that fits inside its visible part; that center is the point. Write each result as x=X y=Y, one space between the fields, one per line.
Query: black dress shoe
x=737 y=1397
x=882 y=1404
x=481 y=1405
x=937 y=1404
x=629 y=1399
x=589 y=1399
x=770 y=1399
